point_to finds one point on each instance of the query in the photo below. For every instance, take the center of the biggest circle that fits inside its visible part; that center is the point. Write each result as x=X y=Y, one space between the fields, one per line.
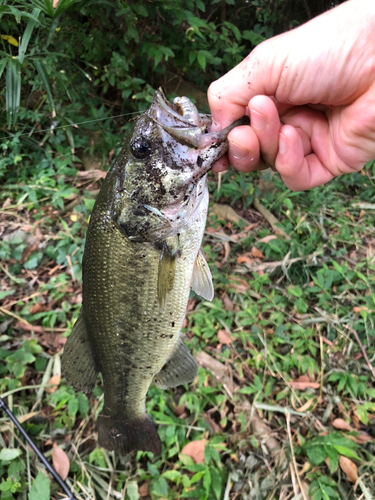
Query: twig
x=270 y=218
x=10 y=313
x=281 y=263
x=41 y=457
x=294 y=457
x=351 y=330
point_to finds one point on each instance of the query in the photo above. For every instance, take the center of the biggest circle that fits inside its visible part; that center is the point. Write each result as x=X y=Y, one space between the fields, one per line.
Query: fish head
x=162 y=169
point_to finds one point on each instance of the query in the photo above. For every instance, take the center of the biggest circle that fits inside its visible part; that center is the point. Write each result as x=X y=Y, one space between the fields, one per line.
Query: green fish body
x=142 y=257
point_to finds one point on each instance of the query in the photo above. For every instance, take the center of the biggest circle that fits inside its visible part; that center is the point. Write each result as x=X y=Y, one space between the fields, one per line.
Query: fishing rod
x=40 y=455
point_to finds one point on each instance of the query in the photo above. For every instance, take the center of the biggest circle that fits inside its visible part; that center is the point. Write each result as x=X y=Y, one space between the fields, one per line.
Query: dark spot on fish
x=172 y=325
x=199 y=161
x=171 y=336
x=148 y=367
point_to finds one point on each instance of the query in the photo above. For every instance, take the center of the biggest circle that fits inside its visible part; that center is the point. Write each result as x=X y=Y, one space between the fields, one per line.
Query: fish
x=142 y=257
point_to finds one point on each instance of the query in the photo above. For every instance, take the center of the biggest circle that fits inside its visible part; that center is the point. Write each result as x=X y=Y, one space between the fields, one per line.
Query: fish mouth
x=185 y=124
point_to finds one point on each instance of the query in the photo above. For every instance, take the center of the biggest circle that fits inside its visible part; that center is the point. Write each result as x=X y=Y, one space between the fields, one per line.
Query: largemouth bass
x=142 y=257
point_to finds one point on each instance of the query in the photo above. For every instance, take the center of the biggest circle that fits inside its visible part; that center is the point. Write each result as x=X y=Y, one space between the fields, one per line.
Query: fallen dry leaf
x=225 y=212
x=195 y=450
x=245 y=259
x=55 y=380
x=307 y=405
x=268 y=238
x=357 y=309
x=361 y=438
x=38 y=307
x=349 y=468
x=224 y=337
x=60 y=461
x=302 y=383
x=255 y=252
x=339 y=423
x=228 y=304
x=238 y=284
x=143 y=490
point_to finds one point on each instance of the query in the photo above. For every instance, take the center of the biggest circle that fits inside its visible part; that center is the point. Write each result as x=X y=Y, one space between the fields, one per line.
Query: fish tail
x=117 y=434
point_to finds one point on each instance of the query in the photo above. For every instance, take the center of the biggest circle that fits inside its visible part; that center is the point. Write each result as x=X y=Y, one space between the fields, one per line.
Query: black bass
x=142 y=257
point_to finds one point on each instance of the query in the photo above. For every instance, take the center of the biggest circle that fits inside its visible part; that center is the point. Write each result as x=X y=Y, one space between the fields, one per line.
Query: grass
x=284 y=308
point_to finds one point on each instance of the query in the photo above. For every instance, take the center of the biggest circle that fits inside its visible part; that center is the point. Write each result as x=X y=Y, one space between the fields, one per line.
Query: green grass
x=295 y=317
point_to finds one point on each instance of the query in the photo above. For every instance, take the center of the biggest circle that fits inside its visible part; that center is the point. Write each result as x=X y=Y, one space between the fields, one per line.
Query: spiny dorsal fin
x=202 y=278
x=78 y=365
x=180 y=369
x=166 y=273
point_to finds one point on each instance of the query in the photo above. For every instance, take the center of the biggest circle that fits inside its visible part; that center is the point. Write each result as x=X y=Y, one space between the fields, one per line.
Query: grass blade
x=40 y=69
x=27 y=35
x=13 y=91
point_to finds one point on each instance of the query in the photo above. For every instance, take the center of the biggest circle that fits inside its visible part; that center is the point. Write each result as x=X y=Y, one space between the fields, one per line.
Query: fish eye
x=140 y=148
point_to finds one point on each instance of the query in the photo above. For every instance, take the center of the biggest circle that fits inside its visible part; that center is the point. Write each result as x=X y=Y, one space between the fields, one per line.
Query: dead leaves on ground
x=195 y=450
x=60 y=461
x=302 y=383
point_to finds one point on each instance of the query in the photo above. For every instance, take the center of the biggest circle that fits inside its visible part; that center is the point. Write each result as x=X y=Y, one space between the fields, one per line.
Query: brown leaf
x=302 y=383
x=255 y=252
x=361 y=438
x=55 y=380
x=245 y=259
x=228 y=304
x=307 y=405
x=214 y=426
x=38 y=307
x=239 y=285
x=225 y=212
x=339 y=423
x=349 y=468
x=224 y=337
x=268 y=238
x=60 y=461
x=143 y=490
x=195 y=450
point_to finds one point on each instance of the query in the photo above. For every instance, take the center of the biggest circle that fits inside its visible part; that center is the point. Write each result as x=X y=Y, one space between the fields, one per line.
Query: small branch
x=351 y=330
x=270 y=218
x=294 y=457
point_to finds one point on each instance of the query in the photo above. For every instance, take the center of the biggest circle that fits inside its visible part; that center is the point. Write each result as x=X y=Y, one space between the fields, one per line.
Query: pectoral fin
x=202 y=278
x=78 y=365
x=166 y=273
x=180 y=369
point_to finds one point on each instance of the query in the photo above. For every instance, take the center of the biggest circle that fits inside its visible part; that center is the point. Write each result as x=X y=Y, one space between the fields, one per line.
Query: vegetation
x=284 y=404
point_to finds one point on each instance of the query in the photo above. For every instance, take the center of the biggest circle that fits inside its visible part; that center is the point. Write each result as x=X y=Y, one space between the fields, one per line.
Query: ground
x=284 y=403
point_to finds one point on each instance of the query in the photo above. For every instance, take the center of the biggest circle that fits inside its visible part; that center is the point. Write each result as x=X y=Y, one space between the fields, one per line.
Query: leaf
x=40 y=69
x=31 y=23
x=132 y=490
x=255 y=252
x=347 y=452
x=225 y=213
x=143 y=490
x=316 y=453
x=224 y=337
x=245 y=259
x=9 y=454
x=349 y=468
x=40 y=489
x=195 y=450
x=10 y=40
x=339 y=423
x=60 y=461
x=53 y=381
x=13 y=91
x=302 y=383
x=268 y=238
x=201 y=60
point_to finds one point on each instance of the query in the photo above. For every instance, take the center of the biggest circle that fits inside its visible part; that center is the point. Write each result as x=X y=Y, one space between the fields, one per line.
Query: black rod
x=42 y=458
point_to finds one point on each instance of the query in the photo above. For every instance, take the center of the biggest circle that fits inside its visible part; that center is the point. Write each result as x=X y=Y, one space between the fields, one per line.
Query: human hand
x=310 y=95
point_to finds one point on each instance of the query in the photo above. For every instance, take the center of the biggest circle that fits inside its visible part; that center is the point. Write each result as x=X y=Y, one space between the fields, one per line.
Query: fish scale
x=141 y=259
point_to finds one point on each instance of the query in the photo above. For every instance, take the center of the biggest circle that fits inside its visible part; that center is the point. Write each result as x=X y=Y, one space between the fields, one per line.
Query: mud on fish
x=142 y=257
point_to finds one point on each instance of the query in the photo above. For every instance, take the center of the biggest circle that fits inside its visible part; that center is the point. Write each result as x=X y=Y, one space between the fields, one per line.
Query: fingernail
x=238 y=152
x=258 y=121
x=283 y=144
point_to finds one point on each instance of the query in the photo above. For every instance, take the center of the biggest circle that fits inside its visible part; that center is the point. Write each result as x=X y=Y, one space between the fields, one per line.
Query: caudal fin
x=122 y=436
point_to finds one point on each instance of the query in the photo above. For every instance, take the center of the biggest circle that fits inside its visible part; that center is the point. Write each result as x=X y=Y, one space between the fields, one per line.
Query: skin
x=310 y=95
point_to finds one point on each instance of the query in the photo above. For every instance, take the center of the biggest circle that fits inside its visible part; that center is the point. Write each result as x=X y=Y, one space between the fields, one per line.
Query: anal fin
x=78 y=365
x=180 y=369
x=202 y=278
